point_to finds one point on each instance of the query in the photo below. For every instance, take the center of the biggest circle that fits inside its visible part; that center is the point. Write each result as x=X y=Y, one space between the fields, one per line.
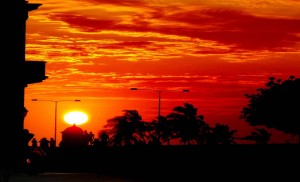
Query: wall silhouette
x=15 y=78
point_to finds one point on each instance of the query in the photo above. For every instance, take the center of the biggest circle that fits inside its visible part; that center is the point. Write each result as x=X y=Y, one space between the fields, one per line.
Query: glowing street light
x=55 y=112
x=159 y=95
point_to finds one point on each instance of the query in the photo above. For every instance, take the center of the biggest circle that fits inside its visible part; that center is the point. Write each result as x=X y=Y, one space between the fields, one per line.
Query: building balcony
x=35 y=71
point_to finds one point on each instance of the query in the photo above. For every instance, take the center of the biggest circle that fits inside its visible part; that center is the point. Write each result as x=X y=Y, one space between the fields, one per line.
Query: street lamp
x=55 y=112
x=159 y=97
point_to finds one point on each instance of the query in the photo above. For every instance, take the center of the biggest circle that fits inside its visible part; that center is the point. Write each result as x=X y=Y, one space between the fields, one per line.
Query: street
x=64 y=177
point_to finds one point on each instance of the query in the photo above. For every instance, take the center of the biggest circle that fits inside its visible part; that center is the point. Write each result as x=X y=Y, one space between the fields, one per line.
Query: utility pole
x=159 y=96
x=55 y=114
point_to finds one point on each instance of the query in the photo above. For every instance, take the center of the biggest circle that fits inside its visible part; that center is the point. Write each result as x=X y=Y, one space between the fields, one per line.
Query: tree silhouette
x=183 y=124
x=161 y=130
x=221 y=134
x=103 y=138
x=127 y=130
x=276 y=106
x=189 y=127
x=260 y=136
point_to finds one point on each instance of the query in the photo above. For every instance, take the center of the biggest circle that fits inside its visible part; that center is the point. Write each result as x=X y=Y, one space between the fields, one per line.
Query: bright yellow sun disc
x=75 y=117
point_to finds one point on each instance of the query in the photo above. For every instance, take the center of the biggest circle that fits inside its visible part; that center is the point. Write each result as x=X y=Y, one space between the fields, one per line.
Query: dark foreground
x=64 y=177
x=182 y=163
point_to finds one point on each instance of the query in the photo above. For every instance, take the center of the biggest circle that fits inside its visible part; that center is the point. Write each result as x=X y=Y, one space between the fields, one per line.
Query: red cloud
x=238 y=28
x=230 y=27
x=119 y=2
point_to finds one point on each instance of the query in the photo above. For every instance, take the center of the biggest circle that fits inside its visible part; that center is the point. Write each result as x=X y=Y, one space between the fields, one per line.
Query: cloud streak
x=235 y=29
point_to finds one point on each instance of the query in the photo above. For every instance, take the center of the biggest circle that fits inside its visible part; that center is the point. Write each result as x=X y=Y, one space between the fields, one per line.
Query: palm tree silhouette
x=127 y=130
x=161 y=130
x=189 y=127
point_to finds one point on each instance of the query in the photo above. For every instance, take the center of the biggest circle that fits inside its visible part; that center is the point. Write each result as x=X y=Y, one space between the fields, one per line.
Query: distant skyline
x=96 y=50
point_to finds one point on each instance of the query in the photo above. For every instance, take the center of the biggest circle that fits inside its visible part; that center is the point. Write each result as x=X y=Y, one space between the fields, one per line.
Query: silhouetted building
x=73 y=137
x=16 y=74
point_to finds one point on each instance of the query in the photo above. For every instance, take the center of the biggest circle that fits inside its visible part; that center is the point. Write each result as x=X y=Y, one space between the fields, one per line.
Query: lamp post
x=159 y=95
x=55 y=112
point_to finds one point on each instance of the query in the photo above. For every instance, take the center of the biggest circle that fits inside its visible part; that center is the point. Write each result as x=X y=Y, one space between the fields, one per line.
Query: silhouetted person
x=52 y=143
x=26 y=137
x=91 y=137
x=34 y=143
x=85 y=138
x=96 y=142
x=44 y=143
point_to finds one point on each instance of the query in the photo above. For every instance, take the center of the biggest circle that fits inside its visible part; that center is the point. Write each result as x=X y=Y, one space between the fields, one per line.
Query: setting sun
x=96 y=51
x=75 y=117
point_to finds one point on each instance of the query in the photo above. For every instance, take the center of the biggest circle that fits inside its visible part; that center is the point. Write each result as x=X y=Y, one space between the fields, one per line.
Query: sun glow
x=75 y=117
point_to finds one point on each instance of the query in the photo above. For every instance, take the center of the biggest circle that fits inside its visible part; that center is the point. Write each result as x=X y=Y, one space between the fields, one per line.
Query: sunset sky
x=96 y=50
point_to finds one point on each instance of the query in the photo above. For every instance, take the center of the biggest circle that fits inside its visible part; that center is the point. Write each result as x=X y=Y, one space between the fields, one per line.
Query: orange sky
x=96 y=50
